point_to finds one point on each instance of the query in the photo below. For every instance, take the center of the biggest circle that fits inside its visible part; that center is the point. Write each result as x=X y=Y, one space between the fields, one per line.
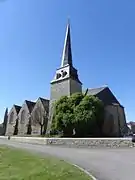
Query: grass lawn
x=21 y=165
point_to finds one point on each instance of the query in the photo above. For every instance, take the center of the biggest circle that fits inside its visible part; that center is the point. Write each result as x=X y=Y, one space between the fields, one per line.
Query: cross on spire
x=67 y=52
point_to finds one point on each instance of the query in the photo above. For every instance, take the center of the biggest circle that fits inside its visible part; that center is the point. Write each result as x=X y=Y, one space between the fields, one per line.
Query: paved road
x=104 y=164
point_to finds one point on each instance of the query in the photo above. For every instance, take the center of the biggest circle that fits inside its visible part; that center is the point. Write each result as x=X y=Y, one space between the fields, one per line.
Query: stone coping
x=76 y=142
x=92 y=142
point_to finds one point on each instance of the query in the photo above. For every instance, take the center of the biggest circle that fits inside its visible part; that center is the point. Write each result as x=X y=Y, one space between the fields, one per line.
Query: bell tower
x=66 y=80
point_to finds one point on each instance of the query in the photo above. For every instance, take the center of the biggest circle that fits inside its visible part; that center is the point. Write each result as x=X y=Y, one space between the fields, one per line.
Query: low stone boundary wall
x=30 y=140
x=92 y=142
x=76 y=142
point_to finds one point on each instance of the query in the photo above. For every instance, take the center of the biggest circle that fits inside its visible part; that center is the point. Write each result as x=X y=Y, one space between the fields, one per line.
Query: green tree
x=82 y=113
x=89 y=117
x=63 y=116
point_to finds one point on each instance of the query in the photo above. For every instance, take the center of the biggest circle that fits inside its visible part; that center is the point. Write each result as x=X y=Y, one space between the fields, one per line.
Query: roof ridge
x=17 y=108
x=29 y=101
x=17 y=105
x=43 y=98
x=30 y=105
x=99 y=87
x=45 y=103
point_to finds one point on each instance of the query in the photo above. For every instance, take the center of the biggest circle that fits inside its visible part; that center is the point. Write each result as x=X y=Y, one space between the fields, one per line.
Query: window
x=11 y=120
x=23 y=115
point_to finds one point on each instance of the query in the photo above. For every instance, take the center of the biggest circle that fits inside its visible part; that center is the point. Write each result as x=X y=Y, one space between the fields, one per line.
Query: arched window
x=23 y=116
x=11 y=120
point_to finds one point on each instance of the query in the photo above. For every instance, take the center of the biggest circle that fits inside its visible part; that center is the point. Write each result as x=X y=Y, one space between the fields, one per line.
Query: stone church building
x=65 y=82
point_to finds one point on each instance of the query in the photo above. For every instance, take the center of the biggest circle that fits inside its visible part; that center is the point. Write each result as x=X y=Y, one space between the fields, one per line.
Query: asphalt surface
x=104 y=164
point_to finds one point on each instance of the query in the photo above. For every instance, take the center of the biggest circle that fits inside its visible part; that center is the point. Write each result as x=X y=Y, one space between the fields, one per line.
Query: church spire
x=67 y=52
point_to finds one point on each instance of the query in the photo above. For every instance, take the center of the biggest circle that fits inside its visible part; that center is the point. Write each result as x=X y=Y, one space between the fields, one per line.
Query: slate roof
x=104 y=94
x=30 y=105
x=67 y=53
x=17 y=108
x=45 y=103
x=95 y=91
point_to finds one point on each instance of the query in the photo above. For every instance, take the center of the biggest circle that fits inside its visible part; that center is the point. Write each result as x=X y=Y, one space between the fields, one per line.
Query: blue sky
x=31 y=40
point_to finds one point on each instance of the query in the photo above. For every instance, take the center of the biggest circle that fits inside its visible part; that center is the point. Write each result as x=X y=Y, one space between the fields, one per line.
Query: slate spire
x=67 y=52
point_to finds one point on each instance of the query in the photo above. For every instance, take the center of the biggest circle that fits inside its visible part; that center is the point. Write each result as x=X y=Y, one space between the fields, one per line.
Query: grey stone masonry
x=76 y=142
x=91 y=142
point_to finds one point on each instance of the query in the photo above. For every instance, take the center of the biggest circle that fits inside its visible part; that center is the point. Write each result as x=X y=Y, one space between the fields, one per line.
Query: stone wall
x=1 y=129
x=92 y=142
x=29 y=140
x=23 y=116
x=37 y=116
x=119 y=120
x=77 y=142
x=11 y=123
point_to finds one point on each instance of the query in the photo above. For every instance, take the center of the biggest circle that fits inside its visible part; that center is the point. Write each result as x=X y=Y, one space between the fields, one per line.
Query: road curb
x=85 y=171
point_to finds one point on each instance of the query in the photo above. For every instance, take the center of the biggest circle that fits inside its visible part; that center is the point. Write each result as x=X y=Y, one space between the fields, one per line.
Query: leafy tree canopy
x=83 y=113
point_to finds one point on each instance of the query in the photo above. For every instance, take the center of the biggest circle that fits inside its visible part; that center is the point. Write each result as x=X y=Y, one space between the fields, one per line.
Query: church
x=35 y=118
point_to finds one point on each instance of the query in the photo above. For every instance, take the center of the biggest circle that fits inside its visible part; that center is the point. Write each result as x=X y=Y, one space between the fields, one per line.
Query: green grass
x=21 y=165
